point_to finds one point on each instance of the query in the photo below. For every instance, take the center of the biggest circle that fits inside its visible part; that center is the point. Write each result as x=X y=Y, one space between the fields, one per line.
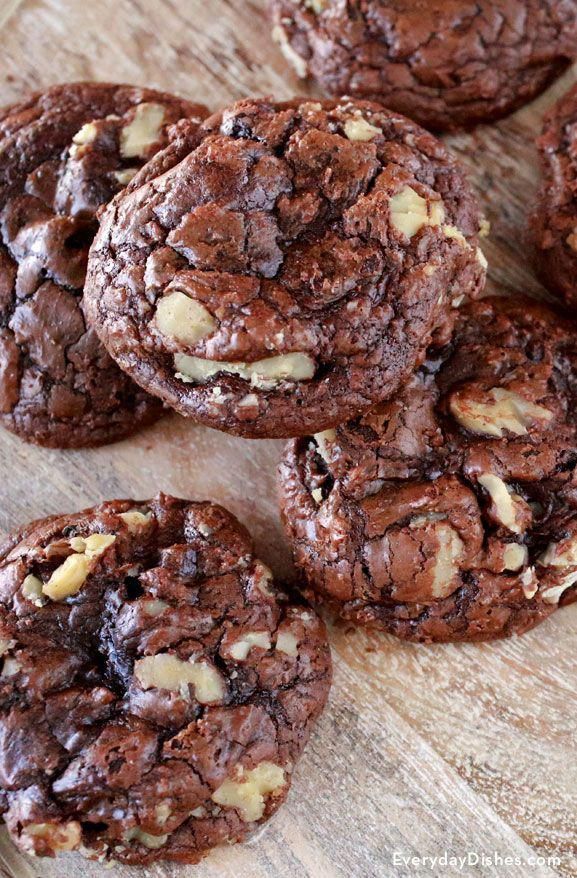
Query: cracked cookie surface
x=286 y=266
x=63 y=154
x=450 y=512
x=554 y=222
x=157 y=689
x=446 y=63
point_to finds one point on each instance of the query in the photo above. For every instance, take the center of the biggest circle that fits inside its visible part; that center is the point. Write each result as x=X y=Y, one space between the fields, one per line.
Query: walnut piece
x=262 y=373
x=287 y=642
x=450 y=551
x=135 y=520
x=262 y=578
x=515 y=556
x=359 y=129
x=184 y=319
x=165 y=671
x=561 y=554
x=6 y=645
x=143 y=132
x=553 y=594
x=409 y=212
x=32 y=589
x=155 y=607
x=529 y=583
x=54 y=836
x=70 y=576
x=509 y=508
x=323 y=439
x=504 y=410
x=125 y=176
x=446 y=568
x=247 y=793
x=145 y=838
x=83 y=138
x=240 y=649
x=10 y=667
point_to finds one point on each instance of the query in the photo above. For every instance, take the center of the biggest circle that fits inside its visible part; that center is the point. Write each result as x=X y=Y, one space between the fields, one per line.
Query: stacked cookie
x=308 y=270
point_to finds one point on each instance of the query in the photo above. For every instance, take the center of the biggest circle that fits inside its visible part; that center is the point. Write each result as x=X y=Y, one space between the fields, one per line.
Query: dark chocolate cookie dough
x=63 y=154
x=446 y=63
x=287 y=268
x=156 y=689
x=554 y=222
x=450 y=513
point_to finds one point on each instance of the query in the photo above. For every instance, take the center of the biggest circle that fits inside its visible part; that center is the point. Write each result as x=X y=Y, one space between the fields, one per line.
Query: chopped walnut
x=32 y=589
x=287 y=642
x=509 y=508
x=165 y=671
x=530 y=583
x=410 y=212
x=153 y=842
x=515 y=556
x=53 y=837
x=184 y=319
x=503 y=410
x=358 y=129
x=68 y=579
x=553 y=594
x=247 y=793
x=135 y=520
x=240 y=649
x=323 y=440
x=561 y=554
x=262 y=373
x=143 y=132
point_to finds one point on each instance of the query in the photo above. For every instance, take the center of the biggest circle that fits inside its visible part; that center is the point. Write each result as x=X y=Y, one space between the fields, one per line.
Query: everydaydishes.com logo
x=471 y=858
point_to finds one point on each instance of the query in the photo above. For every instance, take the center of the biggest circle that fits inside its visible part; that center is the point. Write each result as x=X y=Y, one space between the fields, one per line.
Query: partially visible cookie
x=156 y=688
x=554 y=221
x=287 y=269
x=450 y=513
x=63 y=154
x=445 y=63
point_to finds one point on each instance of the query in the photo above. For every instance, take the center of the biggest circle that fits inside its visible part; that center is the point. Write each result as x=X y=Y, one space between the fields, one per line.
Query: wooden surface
x=423 y=751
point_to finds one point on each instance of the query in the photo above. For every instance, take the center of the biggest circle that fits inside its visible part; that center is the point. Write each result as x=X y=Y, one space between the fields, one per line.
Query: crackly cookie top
x=554 y=221
x=286 y=268
x=450 y=513
x=156 y=687
x=63 y=154
x=445 y=63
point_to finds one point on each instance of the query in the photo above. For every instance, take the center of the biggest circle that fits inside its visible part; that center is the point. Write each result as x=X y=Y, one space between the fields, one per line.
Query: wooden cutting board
x=423 y=751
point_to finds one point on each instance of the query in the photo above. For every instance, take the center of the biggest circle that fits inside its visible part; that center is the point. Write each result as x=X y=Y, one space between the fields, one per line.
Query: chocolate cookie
x=450 y=513
x=156 y=688
x=446 y=63
x=287 y=268
x=63 y=154
x=554 y=222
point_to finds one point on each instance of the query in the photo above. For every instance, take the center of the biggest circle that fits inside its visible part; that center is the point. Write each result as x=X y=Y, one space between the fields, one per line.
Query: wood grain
x=422 y=750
